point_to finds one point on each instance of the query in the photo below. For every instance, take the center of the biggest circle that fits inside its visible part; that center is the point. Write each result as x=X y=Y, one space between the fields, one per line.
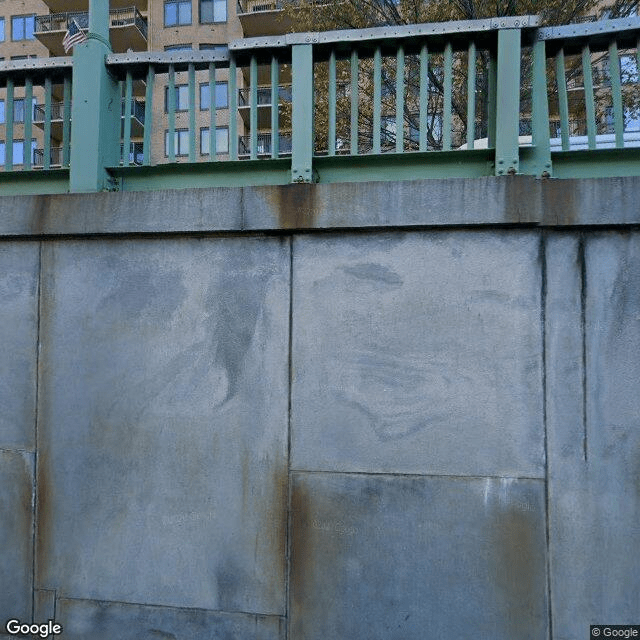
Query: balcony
x=263 y=103
x=60 y=6
x=127 y=29
x=265 y=145
x=263 y=18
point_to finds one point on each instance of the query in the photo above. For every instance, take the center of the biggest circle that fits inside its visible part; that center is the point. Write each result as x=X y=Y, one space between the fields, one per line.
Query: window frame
x=178 y=133
x=213 y=9
x=204 y=130
x=23 y=18
x=177 y=4
x=204 y=105
x=179 y=92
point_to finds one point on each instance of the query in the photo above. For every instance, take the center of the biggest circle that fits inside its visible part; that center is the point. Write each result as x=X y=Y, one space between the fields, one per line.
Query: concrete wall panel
x=408 y=558
x=110 y=620
x=19 y=274
x=16 y=535
x=162 y=466
x=418 y=353
x=594 y=453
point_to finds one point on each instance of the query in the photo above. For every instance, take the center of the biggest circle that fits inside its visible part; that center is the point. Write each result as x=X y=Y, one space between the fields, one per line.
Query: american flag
x=73 y=36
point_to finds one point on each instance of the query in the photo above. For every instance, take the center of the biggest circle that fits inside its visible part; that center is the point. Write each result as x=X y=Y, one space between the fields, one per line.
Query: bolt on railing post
x=508 y=102
x=95 y=111
x=302 y=115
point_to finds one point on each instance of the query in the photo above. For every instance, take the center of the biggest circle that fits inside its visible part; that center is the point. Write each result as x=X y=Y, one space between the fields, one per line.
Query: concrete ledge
x=519 y=200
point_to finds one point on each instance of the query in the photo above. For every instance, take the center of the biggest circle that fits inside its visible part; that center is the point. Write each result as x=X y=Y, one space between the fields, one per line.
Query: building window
x=222 y=140
x=22 y=27
x=181 y=100
x=222 y=96
x=218 y=49
x=213 y=11
x=177 y=12
x=1 y=29
x=18 y=151
x=2 y=110
x=180 y=142
x=18 y=109
x=178 y=47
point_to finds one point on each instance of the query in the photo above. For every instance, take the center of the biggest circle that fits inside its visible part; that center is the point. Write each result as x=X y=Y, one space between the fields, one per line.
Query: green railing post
x=302 y=117
x=508 y=102
x=540 y=112
x=95 y=134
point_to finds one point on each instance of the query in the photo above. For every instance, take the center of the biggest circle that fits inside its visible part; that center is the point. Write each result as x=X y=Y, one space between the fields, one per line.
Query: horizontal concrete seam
x=417 y=475
x=16 y=450
x=172 y=607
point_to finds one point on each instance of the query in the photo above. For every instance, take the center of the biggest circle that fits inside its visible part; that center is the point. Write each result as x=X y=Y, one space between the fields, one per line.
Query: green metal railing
x=470 y=98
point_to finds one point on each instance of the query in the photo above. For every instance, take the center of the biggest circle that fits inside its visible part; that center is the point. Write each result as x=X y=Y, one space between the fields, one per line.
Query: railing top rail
x=399 y=32
x=35 y=68
x=139 y=62
x=597 y=34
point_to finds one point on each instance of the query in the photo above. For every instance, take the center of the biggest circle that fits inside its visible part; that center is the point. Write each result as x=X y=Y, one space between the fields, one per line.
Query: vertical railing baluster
x=126 y=138
x=66 y=121
x=213 y=152
x=192 y=112
x=588 y=96
x=563 y=100
x=508 y=103
x=377 y=98
x=9 y=127
x=28 y=117
x=171 y=109
x=233 y=109
x=148 y=116
x=492 y=100
x=354 y=102
x=616 y=91
x=541 y=144
x=471 y=95
x=275 y=108
x=424 y=97
x=448 y=97
x=331 y=142
x=253 y=112
x=400 y=100
x=47 y=124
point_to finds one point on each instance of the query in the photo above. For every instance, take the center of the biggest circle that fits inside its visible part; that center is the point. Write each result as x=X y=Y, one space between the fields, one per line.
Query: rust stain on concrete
x=44 y=520
x=520 y=568
x=296 y=205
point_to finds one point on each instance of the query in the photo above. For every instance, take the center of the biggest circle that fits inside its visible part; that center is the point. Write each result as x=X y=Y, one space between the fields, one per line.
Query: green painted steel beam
x=213 y=152
x=424 y=97
x=28 y=117
x=354 y=102
x=471 y=95
x=447 y=97
x=563 y=100
x=541 y=147
x=148 y=116
x=377 y=99
x=66 y=122
x=30 y=183
x=275 y=107
x=331 y=105
x=508 y=102
x=302 y=116
x=589 y=99
x=192 y=112
x=616 y=92
x=400 y=100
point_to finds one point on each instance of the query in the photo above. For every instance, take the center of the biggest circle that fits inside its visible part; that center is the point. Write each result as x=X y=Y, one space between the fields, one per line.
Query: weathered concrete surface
x=19 y=273
x=162 y=464
x=518 y=200
x=594 y=448
x=418 y=353
x=408 y=558
x=109 y=620
x=16 y=535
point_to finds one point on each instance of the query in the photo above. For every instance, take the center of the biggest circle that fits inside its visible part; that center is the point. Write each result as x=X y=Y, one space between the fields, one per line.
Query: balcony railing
x=55 y=157
x=117 y=18
x=264 y=145
x=416 y=100
x=263 y=95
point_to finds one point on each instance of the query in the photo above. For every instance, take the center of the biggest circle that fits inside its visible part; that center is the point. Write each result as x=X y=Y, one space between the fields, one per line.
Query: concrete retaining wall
x=397 y=411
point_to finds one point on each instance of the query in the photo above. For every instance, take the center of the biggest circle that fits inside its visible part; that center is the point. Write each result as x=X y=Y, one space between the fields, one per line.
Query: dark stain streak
x=302 y=557
x=296 y=205
x=559 y=204
x=583 y=326
x=374 y=272
x=40 y=216
x=518 y=568
x=43 y=517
